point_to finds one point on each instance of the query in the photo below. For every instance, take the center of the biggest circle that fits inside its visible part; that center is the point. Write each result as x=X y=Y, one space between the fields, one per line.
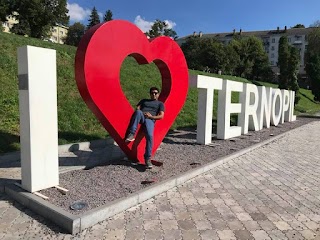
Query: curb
x=71 y=147
x=309 y=116
x=77 y=223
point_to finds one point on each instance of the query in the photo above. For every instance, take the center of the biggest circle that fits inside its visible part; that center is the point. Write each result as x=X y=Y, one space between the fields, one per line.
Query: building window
x=272 y=63
x=306 y=47
x=61 y=32
x=273 y=40
x=272 y=55
x=289 y=39
x=272 y=48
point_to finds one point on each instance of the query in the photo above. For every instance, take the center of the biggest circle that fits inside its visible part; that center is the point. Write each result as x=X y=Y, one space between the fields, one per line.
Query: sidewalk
x=272 y=192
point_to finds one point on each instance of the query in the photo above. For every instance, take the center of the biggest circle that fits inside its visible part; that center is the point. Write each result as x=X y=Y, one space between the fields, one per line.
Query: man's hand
x=147 y=115
x=158 y=117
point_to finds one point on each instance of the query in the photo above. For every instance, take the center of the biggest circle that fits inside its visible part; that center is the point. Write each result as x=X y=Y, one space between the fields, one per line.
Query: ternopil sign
x=98 y=61
x=258 y=107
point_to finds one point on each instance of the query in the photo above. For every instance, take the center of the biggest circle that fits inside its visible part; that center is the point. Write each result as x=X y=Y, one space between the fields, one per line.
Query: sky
x=207 y=16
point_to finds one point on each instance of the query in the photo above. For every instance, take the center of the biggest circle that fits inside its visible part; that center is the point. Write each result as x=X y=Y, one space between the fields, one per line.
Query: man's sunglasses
x=154 y=93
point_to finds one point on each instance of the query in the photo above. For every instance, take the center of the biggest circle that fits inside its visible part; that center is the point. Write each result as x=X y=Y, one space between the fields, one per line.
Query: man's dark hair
x=154 y=88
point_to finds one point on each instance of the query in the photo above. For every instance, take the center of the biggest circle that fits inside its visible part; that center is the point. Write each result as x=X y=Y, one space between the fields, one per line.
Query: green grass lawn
x=76 y=122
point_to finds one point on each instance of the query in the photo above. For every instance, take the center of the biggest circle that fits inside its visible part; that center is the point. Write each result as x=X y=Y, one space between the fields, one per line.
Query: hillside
x=76 y=122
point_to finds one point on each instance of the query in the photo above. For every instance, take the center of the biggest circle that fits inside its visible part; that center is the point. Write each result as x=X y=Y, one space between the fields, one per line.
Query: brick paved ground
x=270 y=193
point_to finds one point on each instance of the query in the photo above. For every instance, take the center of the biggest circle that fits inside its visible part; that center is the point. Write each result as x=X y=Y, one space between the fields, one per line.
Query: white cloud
x=142 y=24
x=77 y=13
x=146 y=25
x=170 y=23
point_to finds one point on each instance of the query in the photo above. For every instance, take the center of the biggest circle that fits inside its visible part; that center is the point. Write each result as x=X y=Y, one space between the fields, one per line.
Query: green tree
x=108 y=16
x=75 y=33
x=288 y=62
x=208 y=54
x=5 y=7
x=283 y=62
x=212 y=55
x=161 y=28
x=94 y=18
x=38 y=16
x=232 y=60
x=191 y=49
x=299 y=25
x=293 y=65
x=23 y=28
x=312 y=59
x=253 y=60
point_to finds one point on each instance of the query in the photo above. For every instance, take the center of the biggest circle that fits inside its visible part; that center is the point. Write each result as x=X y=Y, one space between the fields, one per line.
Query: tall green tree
x=161 y=28
x=108 y=16
x=38 y=16
x=75 y=33
x=293 y=70
x=94 y=18
x=312 y=59
x=288 y=62
x=283 y=62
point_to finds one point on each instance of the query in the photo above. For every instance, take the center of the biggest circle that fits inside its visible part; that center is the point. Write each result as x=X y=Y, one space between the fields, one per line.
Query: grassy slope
x=76 y=122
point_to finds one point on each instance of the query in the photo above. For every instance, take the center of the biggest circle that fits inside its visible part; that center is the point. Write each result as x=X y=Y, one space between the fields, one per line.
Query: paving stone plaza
x=272 y=192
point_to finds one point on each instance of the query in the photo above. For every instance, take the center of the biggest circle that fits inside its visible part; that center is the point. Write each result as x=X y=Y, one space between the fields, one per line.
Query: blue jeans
x=148 y=125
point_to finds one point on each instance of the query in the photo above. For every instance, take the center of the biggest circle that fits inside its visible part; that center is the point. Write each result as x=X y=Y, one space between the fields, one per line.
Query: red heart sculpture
x=99 y=57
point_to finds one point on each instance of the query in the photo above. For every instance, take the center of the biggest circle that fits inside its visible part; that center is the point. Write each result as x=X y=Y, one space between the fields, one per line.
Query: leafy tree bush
x=37 y=17
x=161 y=28
x=243 y=57
x=75 y=33
x=313 y=62
x=288 y=62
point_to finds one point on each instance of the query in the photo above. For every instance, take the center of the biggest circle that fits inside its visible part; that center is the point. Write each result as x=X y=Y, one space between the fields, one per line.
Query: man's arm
x=158 y=117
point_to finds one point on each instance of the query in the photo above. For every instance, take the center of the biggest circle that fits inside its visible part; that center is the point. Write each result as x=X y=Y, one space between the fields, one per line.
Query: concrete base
x=77 y=223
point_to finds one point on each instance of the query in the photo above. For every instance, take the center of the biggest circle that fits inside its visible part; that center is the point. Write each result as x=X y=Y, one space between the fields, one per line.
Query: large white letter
x=285 y=106
x=38 y=118
x=206 y=86
x=291 y=109
x=276 y=110
x=225 y=108
x=249 y=100
x=264 y=108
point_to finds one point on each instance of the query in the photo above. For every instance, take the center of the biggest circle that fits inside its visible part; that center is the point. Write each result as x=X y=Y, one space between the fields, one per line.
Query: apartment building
x=57 y=34
x=297 y=37
x=11 y=20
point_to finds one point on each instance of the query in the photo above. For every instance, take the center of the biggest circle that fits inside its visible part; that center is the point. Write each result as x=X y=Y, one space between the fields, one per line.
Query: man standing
x=147 y=112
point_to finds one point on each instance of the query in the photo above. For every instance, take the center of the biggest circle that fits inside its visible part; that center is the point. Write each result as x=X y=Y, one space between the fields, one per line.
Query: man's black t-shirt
x=151 y=106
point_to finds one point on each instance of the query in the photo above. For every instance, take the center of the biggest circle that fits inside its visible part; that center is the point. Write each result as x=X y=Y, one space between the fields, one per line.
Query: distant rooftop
x=265 y=33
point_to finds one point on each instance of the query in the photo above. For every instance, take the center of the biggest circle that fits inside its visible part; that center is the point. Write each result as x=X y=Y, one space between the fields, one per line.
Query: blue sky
x=208 y=16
